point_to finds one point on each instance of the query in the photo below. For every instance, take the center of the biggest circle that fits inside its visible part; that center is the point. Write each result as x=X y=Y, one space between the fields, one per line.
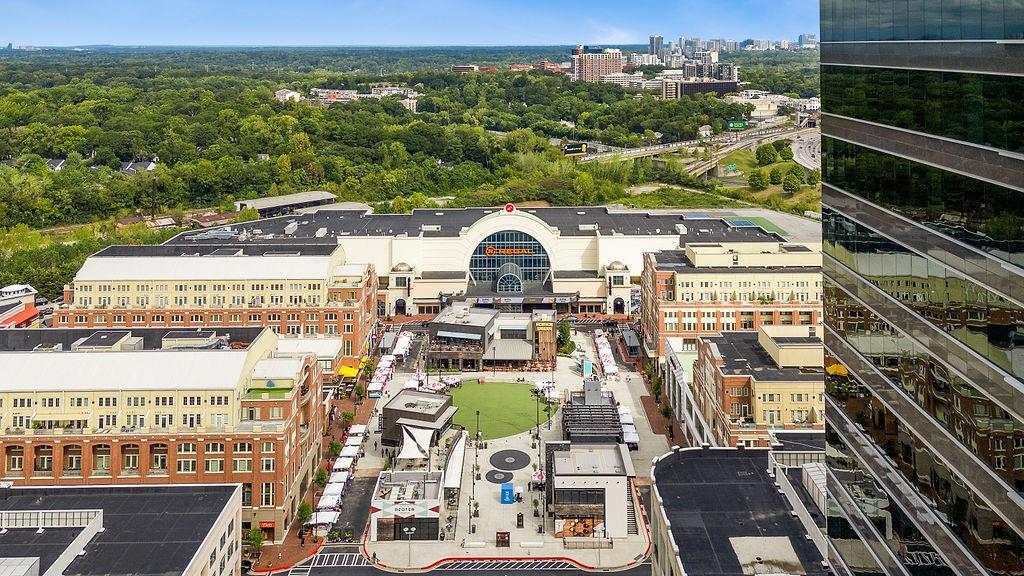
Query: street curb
x=276 y=569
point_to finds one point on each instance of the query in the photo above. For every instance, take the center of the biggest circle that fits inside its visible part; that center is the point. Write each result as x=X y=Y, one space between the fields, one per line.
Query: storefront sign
x=266 y=524
x=496 y=251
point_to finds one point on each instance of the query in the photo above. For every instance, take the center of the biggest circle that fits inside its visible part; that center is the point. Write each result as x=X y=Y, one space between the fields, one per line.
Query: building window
x=242 y=465
x=186 y=465
x=267 y=494
x=267 y=464
x=215 y=465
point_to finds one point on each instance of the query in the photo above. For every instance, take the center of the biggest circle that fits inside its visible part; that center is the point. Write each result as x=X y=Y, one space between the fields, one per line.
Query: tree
x=666 y=411
x=246 y=215
x=775 y=176
x=786 y=152
x=791 y=184
x=359 y=391
x=563 y=332
x=814 y=177
x=766 y=154
x=334 y=448
x=757 y=180
x=255 y=539
x=347 y=418
x=304 y=513
x=321 y=477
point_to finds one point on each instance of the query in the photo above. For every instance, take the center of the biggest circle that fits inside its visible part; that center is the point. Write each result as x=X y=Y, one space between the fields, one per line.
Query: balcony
x=47 y=473
x=157 y=471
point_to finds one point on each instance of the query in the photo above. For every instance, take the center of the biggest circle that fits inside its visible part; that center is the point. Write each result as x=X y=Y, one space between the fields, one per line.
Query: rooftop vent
x=431 y=227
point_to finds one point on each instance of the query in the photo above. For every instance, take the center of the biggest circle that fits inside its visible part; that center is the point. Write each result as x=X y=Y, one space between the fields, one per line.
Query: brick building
x=294 y=289
x=105 y=407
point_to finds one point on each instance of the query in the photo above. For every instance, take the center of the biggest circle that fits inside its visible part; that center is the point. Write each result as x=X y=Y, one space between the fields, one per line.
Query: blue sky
x=396 y=22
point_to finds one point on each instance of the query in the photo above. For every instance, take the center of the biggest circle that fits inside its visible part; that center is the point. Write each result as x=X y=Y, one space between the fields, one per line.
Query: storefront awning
x=509 y=349
x=348 y=371
x=462 y=335
x=415 y=443
x=453 y=468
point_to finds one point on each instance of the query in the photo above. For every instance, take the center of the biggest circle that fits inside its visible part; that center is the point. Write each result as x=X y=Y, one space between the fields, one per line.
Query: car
x=569 y=318
x=41 y=301
x=246 y=566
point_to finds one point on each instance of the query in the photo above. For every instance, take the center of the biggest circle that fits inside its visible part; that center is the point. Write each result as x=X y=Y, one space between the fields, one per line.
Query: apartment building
x=157 y=406
x=748 y=384
x=590 y=66
x=709 y=287
x=294 y=289
x=922 y=184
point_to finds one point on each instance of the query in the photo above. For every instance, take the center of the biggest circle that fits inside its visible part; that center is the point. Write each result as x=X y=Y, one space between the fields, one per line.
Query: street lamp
x=409 y=531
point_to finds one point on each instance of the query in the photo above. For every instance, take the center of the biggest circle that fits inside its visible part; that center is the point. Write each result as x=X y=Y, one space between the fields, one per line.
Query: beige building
x=182 y=407
x=747 y=385
x=710 y=287
x=591 y=66
x=293 y=289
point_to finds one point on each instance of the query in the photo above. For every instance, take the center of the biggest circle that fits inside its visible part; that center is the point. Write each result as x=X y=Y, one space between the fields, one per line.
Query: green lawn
x=505 y=408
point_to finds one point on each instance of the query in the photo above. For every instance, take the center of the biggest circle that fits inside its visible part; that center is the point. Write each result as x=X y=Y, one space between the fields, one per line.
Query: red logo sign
x=266 y=524
x=510 y=208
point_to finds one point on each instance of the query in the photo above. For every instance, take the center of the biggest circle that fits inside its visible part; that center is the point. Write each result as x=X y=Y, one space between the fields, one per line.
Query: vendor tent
x=329 y=502
x=357 y=430
x=338 y=478
x=343 y=464
x=323 y=518
x=337 y=489
x=350 y=452
x=354 y=441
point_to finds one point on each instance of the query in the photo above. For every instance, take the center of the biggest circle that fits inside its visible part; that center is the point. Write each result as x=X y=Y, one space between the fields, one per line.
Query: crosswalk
x=508 y=565
x=329 y=560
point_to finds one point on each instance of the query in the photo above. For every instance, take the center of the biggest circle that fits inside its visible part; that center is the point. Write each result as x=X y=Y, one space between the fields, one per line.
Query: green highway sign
x=737 y=124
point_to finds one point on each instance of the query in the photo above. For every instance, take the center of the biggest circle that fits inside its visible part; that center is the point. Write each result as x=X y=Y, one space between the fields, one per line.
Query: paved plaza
x=514 y=459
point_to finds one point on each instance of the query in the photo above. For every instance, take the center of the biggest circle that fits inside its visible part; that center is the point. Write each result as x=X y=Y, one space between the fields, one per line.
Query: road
x=807 y=150
x=333 y=561
x=754 y=139
x=735 y=140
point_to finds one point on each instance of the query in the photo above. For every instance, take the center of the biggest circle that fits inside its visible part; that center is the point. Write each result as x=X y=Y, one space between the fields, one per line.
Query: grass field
x=808 y=198
x=506 y=408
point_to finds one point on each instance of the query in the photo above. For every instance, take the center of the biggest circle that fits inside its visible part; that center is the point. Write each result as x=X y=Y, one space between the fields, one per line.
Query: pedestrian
x=302 y=538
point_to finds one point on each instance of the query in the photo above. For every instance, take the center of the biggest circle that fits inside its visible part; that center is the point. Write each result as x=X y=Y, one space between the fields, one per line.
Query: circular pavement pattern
x=498 y=476
x=510 y=460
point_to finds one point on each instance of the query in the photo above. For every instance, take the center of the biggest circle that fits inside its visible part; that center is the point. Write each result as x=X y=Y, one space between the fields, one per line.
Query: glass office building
x=923 y=230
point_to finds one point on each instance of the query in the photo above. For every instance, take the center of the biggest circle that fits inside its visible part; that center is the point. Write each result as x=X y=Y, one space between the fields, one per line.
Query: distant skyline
x=397 y=22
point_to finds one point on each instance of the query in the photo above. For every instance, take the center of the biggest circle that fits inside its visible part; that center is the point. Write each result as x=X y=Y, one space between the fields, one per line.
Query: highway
x=807 y=150
x=734 y=141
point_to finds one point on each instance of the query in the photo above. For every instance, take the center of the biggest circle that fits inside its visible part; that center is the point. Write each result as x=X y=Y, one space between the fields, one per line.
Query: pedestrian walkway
x=502 y=565
x=326 y=559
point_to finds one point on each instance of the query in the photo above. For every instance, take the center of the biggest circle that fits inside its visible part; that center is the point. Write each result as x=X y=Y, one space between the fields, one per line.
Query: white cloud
x=600 y=33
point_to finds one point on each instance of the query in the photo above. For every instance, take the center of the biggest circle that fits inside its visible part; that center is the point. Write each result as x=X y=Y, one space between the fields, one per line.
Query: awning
x=348 y=371
x=323 y=518
x=629 y=337
x=631 y=438
x=626 y=418
x=453 y=468
x=25 y=315
x=343 y=464
x=328 y=502
x=349 y=452
x=415 y=443
x=354 y=441
x=388 y=340
x=338 y=478
x=462 y=335
x=509 y=349
x=357 y=430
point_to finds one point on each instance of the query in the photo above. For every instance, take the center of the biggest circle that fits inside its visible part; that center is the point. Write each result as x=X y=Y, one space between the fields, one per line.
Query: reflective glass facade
x=986 y=216
x=924 y=327
x=889 y=20
x=509 y=246
x=981 y=109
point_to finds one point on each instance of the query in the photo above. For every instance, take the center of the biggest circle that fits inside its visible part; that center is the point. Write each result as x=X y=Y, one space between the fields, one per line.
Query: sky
x=396 y=22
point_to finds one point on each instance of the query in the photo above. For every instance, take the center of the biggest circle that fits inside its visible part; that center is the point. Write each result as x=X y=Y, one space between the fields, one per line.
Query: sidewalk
x=279 y=557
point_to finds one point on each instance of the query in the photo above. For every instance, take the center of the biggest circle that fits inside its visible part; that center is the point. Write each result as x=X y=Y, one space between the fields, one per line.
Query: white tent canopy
x=357 y=430
x=338 y=478
x=323 y=518
x=626 y=418
x=353 y=441
x=349 y=452
x=343 y=464
x=328 y=501
x=415 y=443
x=334 y=489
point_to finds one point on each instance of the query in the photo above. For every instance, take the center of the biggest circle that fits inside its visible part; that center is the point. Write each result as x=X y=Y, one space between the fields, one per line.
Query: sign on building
x=575 y=149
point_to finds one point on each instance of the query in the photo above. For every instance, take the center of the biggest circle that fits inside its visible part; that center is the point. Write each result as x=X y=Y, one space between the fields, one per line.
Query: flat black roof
x=28 y=339
x=744 y=355
x=147 y=530
x=590 y=422
x=783 y=340
x=801 y=440
x=197 y=333
x=327 y=226
x=713 y=495
x=104 y=338
x=219 y=249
